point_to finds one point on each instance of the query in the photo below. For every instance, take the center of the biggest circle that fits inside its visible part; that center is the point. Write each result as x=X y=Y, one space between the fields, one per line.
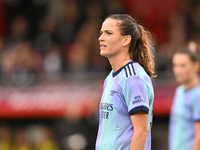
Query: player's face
x=184 y=69
x=110 y=38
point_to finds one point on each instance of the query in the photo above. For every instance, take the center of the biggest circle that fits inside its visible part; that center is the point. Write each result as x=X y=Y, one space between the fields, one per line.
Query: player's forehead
x=179 y=58
x=110 y=24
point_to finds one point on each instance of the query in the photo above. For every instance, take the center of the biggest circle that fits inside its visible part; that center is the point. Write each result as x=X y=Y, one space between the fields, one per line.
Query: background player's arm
x=196 y=145
x=140 y=124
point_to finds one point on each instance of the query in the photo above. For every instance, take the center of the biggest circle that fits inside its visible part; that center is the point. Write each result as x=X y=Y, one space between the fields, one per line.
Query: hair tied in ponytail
x=138 y=26
x=192 y=47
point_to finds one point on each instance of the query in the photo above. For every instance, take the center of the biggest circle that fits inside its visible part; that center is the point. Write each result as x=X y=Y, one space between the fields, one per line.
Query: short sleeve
x=135 y=94
x=196 y=109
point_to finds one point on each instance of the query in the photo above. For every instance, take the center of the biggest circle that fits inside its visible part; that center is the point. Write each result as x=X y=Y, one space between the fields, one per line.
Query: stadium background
x=51 y=73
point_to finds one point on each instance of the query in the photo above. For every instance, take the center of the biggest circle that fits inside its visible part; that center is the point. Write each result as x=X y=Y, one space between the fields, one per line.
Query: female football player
x=127 y=99
x=184 y=129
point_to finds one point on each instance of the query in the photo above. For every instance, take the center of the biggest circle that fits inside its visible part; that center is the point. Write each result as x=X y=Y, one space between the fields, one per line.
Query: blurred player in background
x=184 y=131
x=127 y=100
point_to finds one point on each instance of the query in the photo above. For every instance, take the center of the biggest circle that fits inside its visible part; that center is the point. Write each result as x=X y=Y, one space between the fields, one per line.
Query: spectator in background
x=48 y=142
x=18 y=63
x=21 y=140
x=78 y=52
x=192 y=21
x=176 y=39
x=184 y=129
x=5 y=137
x=114 y=6
x=67 y=26
x=46 y=35
x=53 y=62
x=18 y=30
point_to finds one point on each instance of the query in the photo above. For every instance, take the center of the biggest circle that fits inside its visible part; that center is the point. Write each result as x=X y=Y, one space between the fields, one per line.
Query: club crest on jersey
x=113 y=93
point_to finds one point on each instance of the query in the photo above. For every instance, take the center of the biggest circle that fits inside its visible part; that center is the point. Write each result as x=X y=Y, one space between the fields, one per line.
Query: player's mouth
x=102 y=46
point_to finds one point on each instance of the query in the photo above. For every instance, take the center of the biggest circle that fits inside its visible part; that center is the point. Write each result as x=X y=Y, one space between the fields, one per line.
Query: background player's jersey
x=184 y=113
x=125 y=92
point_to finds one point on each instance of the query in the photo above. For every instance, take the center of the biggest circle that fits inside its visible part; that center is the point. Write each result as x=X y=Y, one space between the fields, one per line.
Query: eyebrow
x=106 y=31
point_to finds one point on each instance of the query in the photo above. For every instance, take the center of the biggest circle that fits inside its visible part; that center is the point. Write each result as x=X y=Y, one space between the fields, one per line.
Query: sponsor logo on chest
x=105 y=108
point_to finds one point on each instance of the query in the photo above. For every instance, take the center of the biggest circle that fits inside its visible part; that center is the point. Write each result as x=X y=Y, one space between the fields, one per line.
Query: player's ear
x=126 y=40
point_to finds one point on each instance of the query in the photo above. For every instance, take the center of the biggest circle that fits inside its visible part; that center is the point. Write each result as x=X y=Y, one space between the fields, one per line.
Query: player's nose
x=101 y=37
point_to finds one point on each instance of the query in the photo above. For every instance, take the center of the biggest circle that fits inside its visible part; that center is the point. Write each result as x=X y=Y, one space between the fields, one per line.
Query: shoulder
x=130 y=69
x=107 y=78
x=180 y=88
x=139 y=81
x=196 y=98
x=179 y=92
x=134 y=69
x=134 y=72
x=197 y=90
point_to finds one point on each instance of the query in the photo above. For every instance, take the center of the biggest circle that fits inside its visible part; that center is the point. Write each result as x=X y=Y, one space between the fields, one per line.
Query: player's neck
x=119 y=61
x=192 y=82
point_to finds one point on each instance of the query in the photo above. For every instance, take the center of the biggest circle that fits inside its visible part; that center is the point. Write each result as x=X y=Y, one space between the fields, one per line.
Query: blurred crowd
x=48 y=134
x=183 y=28
x=63 y=40
x=57 y=37
x=35 y=137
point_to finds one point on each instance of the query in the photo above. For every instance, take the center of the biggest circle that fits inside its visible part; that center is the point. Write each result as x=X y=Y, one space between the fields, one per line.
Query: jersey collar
x=119 y=70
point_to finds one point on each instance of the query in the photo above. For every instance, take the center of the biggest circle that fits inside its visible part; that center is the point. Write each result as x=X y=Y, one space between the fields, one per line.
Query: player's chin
x=180 y=80
x=103 y=53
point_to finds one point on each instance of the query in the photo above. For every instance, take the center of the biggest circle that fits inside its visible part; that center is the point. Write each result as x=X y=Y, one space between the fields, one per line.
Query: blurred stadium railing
x=78 y=93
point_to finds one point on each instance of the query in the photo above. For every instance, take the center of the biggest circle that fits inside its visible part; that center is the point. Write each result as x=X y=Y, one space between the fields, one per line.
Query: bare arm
x=140 y=124
x=196 y=145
